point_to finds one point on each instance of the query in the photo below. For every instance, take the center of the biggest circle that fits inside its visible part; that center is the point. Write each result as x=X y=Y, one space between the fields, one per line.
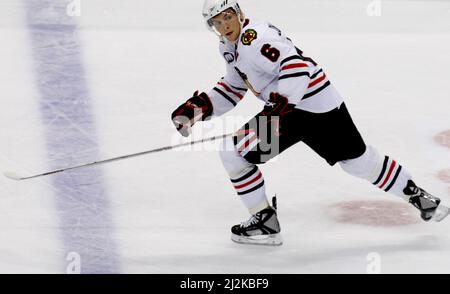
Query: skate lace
x=251 y=221
x=423 y=194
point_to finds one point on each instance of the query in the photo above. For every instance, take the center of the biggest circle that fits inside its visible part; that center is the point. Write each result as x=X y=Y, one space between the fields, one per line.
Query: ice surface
x=118 y=70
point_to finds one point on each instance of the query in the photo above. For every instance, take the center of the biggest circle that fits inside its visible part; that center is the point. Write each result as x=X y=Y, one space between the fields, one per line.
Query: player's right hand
x=198 y=107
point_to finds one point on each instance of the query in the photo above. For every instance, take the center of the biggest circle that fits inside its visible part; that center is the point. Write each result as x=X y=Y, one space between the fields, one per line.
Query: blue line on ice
x=66 y=109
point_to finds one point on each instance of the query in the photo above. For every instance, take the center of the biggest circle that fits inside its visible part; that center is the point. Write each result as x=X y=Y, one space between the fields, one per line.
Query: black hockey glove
x=276 y=110
x=198 y=107
x=277 y=106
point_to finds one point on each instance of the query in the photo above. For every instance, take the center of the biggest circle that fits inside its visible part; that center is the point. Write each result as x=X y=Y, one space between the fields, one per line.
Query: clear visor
x=222 y=20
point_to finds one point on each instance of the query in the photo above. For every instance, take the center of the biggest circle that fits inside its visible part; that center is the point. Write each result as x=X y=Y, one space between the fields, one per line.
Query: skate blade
x=440 y=213
x=265 y=240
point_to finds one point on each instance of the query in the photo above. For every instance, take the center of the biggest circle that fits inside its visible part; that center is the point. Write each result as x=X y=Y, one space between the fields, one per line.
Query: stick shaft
x=161 y=149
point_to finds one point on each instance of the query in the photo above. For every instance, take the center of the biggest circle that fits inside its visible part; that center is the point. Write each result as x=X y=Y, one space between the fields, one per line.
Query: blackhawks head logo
x=248 y=37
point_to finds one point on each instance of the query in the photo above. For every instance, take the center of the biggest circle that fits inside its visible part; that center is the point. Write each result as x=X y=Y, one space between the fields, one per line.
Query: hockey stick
x=17 y=177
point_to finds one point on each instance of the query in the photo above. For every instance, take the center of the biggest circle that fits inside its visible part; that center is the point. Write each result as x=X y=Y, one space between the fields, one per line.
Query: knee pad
x=254 y=158
x=365 y=166
x=246 y=144
x=232 y=160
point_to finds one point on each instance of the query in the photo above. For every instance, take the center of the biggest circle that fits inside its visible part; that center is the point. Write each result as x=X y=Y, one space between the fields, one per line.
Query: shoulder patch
x=249 y=36
x=229 y=57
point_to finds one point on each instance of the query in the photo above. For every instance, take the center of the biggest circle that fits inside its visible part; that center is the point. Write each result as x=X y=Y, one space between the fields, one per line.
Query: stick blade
x=12 y=175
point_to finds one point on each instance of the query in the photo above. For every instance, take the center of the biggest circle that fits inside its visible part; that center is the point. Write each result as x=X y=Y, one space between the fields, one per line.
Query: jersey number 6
x=271 y=53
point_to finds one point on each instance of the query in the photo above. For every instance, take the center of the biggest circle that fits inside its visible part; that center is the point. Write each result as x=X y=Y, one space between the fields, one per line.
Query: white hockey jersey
x=264 y=60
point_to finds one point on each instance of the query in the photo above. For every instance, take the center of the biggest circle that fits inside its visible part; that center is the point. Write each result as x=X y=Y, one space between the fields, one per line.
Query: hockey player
x=301 y=105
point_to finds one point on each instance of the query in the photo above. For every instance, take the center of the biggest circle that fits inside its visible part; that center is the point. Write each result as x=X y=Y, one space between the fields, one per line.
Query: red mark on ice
x=376 y=213
x=444 y=175
x=443 y=138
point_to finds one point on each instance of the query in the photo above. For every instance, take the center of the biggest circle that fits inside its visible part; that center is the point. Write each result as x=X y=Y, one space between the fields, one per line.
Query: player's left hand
x=277 y=106
x=276 y=109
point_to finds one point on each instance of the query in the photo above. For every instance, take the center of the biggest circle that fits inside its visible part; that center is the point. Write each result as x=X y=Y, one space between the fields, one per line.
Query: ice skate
x=262 y=228
x=429 y=205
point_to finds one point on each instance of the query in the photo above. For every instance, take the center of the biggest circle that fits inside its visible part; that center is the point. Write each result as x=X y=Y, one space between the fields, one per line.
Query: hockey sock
x=391 y=177
x=246 y=178
x=250 y=187
x=382 y=171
